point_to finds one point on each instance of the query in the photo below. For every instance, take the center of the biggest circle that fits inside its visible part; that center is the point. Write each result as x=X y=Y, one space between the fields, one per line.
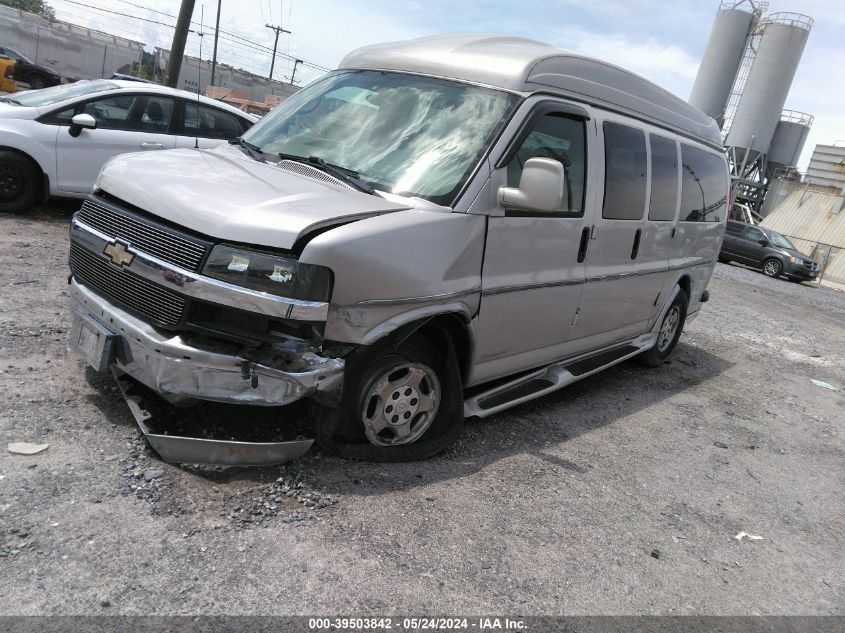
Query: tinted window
x=210 y=122
x=132 y=113
x=664 y=179
x=625 y=172
x=704 y=186
x=733 y=228
x=562 y=139
x=753 y=235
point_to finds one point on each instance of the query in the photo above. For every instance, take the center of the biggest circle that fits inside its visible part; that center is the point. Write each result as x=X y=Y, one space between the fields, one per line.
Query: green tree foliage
x=39 y=7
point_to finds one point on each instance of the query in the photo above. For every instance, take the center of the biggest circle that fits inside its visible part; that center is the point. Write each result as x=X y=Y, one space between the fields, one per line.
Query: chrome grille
x=151 y=302
x=150 y=239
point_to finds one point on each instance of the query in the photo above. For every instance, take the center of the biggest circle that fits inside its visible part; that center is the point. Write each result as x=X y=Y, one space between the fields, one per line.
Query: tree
x=39 y=7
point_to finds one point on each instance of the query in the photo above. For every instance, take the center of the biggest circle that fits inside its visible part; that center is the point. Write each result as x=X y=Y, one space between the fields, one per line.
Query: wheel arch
x=45 y=177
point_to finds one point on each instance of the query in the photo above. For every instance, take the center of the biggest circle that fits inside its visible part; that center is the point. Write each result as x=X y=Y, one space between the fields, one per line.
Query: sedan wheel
x=36 y=82
x=19 y=182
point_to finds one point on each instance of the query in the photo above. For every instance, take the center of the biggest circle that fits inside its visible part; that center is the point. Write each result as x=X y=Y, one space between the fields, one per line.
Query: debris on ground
x=720 y=444
x=751 y=537
x=655 y=553
x=823 y=384
x=26 y=448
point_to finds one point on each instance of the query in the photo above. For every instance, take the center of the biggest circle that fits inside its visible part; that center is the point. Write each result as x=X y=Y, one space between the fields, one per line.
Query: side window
x=664 y=179
x=562 y=138
x=753 y=235
x=62 y=117
x=704 y=186
x=624 y=172
x=132 y=113
x=733 y=228
x=209 y=122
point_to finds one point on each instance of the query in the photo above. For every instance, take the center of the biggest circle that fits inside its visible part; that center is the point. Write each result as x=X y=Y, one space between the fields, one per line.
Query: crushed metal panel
x=193 y=450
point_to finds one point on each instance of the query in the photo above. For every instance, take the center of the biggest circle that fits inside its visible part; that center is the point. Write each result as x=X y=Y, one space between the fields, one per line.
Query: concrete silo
x=788 y=140
x=722 y=57
x=764 y=93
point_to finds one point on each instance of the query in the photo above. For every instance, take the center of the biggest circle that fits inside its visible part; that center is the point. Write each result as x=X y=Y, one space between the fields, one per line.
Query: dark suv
x=766 y=249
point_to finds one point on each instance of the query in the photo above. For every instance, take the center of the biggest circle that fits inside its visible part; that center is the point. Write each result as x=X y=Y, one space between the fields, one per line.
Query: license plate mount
x=94 y=340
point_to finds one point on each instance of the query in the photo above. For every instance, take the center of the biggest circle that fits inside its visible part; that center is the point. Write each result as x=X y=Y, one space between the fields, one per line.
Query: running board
x=553 y=377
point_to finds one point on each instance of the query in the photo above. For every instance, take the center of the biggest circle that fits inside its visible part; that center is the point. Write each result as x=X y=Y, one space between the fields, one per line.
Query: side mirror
x=540 y=187
x=764 y=242
x=81 y=122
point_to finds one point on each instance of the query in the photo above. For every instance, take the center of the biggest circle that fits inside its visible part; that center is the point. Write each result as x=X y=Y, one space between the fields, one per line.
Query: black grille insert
x=165 y=244
x=150 y=302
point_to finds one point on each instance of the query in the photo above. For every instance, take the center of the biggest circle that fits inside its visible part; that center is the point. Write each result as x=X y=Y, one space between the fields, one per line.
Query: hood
x=225 y=194
x=794 y=253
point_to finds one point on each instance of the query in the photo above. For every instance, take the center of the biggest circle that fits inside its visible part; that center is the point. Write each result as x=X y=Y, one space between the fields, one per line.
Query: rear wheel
x=772 y=268
x=670 y=331
x=19 y=182
x=400 y=404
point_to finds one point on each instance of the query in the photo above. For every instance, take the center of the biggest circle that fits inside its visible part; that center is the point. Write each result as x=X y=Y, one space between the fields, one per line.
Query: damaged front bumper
x=177 y=371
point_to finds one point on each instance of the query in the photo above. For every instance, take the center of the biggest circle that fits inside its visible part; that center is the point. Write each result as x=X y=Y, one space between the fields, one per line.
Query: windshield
x=780 y=241
x=49 y=96
x=404 y=134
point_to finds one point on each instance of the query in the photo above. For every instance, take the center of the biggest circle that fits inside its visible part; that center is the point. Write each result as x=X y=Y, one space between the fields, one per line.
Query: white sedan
x=54 y=141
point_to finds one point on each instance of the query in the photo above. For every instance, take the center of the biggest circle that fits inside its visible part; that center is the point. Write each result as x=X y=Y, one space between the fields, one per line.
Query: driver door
x=125 y=123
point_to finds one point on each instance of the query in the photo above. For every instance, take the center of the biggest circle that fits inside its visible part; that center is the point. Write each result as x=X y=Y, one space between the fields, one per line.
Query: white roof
x=527 y=66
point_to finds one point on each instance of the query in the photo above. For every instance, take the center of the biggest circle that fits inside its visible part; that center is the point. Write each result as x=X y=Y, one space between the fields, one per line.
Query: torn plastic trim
x=176 y=370
x=194 y=450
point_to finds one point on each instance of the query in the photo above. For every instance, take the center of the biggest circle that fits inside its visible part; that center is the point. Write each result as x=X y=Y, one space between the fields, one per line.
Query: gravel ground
x=620 y=495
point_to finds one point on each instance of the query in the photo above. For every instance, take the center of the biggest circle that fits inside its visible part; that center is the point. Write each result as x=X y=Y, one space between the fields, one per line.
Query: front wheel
x=19 y=182
x=36 y=81
x=772 y=268
x=669 y=332
x=401 y=404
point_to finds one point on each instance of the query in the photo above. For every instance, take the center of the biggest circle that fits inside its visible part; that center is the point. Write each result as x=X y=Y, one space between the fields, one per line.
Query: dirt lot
x=553 y=507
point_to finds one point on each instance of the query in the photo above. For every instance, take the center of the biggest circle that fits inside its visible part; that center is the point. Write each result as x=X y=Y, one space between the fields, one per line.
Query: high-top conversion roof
x=526 y=66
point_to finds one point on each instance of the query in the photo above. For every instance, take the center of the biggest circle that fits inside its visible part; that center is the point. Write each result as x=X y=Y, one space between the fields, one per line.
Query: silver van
x=439 y=229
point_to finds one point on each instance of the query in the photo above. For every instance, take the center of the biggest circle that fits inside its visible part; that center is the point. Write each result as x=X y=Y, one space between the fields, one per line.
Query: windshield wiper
x=10 y=100
x=253 y=150
x=341 y=173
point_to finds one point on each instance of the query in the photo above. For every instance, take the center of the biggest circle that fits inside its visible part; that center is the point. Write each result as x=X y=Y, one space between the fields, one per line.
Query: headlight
x=269 y=273
x=796 y=260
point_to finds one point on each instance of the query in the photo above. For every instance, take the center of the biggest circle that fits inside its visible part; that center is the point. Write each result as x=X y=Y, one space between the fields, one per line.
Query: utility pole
x=180 y=36
x=216 y=33
x=296 y=63
x=277 y=29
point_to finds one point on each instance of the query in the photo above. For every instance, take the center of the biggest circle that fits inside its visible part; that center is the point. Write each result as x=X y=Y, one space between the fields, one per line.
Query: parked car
x=767 y=250
x=438 y=229
x=29 y=72
x=7 y=75
x=54 y=141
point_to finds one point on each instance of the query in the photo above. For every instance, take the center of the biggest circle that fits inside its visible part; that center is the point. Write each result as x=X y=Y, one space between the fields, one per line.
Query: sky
x=663 y=40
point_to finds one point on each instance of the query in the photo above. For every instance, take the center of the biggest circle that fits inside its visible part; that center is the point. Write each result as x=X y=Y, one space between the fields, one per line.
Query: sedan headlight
x=796 y=260
x=269 y=273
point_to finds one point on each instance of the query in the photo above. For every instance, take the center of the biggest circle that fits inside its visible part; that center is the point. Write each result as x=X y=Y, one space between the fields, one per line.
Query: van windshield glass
x=403 y=134
x=780 y=241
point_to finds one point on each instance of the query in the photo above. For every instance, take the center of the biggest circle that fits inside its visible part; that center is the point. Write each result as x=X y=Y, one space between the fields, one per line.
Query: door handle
x=636 y=247
x=585 y=241
x=152 y=145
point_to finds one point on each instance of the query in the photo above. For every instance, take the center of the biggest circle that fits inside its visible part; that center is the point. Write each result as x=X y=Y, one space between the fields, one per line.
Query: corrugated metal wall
x=813 y=219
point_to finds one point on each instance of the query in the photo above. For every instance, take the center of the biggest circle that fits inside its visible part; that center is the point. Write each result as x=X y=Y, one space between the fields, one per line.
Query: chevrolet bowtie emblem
x=119 y=254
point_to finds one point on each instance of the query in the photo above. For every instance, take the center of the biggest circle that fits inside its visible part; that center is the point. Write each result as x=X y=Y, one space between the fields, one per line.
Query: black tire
x=724 y=260
x=37 y=81
x=341 y=431
x=660 y=352
x=20 y=182
x=772 y=267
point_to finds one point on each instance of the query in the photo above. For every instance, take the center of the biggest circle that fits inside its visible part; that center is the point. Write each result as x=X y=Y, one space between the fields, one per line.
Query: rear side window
x=704 y=186
x=733 y=228
x=625 y=172
x=561 y=138
x=210 y=122
x=664 y=179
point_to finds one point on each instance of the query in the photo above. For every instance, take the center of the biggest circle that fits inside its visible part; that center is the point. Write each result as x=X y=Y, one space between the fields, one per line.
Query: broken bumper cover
x=178 y=371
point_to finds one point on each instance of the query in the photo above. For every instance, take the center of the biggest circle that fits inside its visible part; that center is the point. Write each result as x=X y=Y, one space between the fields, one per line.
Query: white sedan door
x=125 y=123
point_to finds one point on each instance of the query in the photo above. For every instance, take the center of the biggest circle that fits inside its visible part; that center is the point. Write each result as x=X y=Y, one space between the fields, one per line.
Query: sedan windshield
x=49 y=96
x=403 y=134
x=780 y=241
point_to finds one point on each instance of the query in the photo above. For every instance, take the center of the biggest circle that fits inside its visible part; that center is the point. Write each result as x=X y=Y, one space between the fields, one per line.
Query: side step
x=551 y=378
